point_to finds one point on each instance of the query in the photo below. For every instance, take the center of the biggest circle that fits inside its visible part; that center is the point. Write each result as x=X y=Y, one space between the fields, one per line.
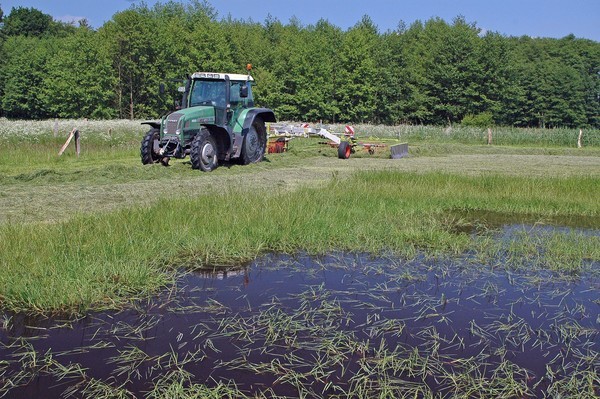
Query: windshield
x=212 y=92
x=208 y=92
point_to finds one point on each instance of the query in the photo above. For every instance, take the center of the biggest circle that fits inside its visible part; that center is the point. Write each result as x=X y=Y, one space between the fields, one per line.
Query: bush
x=484 y=119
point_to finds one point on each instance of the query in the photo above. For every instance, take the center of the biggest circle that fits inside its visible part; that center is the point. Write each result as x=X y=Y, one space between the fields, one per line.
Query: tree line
x=431 y=72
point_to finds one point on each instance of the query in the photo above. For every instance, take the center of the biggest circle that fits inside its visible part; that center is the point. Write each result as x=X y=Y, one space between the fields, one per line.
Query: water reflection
x=478 y=221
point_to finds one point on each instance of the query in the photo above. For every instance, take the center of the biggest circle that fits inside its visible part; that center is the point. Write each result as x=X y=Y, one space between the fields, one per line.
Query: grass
x=560 y=137
x=95 y=260
x=101 y=230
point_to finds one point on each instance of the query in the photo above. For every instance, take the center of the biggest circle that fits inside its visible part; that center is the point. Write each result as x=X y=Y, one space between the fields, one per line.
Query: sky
x=535 y=18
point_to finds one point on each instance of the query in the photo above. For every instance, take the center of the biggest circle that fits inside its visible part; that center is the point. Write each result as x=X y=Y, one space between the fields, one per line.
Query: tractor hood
x=187 y=119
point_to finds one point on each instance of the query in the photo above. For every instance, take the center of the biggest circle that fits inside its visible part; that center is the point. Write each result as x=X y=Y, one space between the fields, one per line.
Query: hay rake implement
x=346 y=142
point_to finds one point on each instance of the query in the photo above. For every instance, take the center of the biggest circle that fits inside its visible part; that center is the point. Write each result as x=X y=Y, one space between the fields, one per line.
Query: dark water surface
x=346 y=325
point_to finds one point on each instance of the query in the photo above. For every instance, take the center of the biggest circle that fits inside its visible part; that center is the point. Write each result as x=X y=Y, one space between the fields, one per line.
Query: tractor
x=216 y=122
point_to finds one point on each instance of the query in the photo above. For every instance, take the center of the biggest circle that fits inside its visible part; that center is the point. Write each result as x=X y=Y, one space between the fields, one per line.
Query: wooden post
x=579 y=139
x=74 y=133
x=489 y=136
x=77 y=143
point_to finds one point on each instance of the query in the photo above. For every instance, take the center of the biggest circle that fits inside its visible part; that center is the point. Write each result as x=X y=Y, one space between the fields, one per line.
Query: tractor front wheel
x=255 y=142
x=344 y=150
x=203 y=153
x=149 y=149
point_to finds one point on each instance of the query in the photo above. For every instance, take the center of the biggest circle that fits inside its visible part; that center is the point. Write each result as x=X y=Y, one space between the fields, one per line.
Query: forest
x=430 y=72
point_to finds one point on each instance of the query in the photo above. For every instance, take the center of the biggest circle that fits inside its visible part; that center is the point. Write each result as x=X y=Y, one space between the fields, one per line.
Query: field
x=103 y=233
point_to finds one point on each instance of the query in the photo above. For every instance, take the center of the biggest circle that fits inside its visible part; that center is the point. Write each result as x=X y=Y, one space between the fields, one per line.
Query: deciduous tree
x=27 y=22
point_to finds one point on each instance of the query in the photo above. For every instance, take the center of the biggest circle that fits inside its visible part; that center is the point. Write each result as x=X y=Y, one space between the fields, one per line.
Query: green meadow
x=100 y=230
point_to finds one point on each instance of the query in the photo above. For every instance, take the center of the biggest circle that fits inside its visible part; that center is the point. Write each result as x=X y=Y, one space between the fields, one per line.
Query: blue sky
x=535 y=18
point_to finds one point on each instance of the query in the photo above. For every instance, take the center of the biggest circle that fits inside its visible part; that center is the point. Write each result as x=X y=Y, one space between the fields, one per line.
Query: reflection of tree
x=222 y=274
x=35 y=325
x=27 y=325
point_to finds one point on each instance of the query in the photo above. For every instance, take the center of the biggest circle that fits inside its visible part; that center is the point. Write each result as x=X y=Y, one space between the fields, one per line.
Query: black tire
x=344 y=150
x=204 y=152
x=149 y=148
x=255 y=142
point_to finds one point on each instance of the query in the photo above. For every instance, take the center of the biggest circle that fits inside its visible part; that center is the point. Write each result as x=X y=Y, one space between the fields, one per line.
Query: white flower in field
x=104 y=130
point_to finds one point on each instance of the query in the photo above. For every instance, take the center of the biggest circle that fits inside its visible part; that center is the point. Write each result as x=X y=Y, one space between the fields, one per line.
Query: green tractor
x=217 y=122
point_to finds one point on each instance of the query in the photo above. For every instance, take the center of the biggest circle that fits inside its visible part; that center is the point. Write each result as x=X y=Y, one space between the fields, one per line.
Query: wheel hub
x=208 y=153
x=252 y=141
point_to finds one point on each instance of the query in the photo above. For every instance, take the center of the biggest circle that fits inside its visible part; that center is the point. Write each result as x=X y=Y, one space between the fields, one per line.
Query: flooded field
x=345 y=325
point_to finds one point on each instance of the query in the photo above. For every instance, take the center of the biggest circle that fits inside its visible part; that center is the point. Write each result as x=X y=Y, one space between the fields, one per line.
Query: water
x=346 y=325
x=475 y=221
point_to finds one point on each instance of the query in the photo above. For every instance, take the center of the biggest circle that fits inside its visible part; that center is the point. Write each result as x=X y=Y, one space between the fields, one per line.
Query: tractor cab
x=228 y=94
x=214 y=92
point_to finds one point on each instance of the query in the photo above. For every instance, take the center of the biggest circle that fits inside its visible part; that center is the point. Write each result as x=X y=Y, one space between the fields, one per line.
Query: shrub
x=484 y=119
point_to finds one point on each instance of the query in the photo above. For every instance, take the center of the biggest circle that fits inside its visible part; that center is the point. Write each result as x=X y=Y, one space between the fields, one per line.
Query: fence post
x=489 y=136
x=74 y=133
x=55 y=127
x=579 y=139
x=77 y=143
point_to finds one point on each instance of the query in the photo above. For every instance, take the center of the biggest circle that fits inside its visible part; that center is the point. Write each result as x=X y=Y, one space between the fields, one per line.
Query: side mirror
x=244 y=91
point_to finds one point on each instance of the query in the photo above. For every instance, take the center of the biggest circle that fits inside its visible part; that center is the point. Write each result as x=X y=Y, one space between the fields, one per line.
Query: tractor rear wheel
x=255 y=142
x=149 y=148
x=344 y=150
x=204 y=151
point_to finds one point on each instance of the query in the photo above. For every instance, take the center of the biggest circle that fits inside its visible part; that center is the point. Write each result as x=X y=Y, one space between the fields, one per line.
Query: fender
x=222 y=137
x=266 y=114
x=154 y=124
